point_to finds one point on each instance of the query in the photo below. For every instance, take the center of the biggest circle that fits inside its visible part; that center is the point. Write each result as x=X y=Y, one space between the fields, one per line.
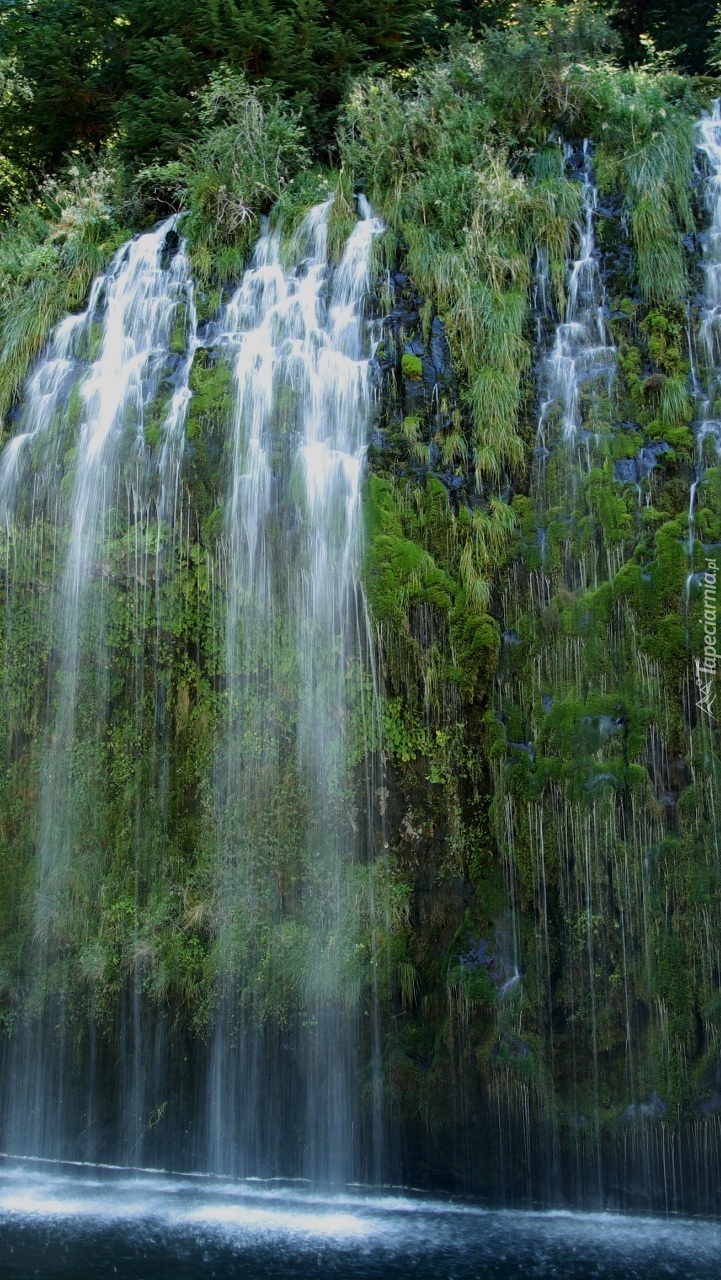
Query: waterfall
x=581 y=355
x=46 y=393
x=100 y=545
x=83 y=426
x=580 y=366
x=288 y=882
x=610 y=774
x=554 y=839
x=708 y=430
x=140 y=304
x=213 y=936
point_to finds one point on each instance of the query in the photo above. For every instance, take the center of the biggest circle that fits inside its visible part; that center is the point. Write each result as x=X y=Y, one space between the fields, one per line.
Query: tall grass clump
x=643 y=123
x=49 y=253
x=659 y=177
x=556 y=206
x=465 y=218
x=248 y=151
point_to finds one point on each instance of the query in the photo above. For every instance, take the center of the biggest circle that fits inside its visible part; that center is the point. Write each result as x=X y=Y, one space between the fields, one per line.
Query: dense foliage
x=78 y=73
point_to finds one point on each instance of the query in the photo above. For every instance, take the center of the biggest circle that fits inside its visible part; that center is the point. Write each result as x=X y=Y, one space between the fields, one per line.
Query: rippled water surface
x=92 y=1222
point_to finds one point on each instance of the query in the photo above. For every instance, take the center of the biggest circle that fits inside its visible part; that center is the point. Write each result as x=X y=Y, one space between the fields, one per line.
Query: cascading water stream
x=597 y=800
x=96 y=414
x=708 y=428
x=300 y=347
x=581 y=353
x=140 y=305
x=575 y=382
x=579 y=368
x=708 y=452
x=709 y=144
x=45 y=396
x=172 y=438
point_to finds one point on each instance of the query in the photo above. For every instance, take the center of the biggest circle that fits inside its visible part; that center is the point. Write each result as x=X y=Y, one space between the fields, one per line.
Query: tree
x=671 y=25
x=95 y=66
x=64 y=57
x=80 y=71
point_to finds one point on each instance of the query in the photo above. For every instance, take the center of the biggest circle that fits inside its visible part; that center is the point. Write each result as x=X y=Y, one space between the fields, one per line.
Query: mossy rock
x=153 y=434
x=412 y=367
x=212 y=399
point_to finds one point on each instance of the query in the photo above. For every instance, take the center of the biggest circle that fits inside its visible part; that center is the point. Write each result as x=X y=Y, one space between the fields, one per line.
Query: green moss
x=179 y=339
x=680 y=437
x=212 y=400
x=476 y=642
x=412 y=367
x=153 y=434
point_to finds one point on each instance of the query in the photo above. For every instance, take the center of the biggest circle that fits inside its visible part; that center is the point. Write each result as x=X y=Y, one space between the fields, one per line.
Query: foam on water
x=94 y=1223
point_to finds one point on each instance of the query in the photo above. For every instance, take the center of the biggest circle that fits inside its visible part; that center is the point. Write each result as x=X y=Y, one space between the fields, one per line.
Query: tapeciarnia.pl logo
x=706 y=668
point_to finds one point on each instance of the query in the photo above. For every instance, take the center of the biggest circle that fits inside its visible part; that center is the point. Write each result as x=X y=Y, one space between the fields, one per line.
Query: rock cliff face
x=552 y=810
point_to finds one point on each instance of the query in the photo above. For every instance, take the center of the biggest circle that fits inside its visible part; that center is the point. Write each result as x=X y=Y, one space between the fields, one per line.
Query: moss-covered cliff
x=529 y=948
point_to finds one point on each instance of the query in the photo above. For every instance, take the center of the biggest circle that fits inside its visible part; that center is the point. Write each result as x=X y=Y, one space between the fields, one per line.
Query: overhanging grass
x=48 y=257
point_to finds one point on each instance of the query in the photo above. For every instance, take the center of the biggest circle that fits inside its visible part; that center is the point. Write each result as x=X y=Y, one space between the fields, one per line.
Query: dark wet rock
x=626 y=471
x=608 y=726
x=477 y=956
x=654 y=1108
x=170 y=248
x=14 y=414
x=405 y=337
x=440 y=354
x=650 y=454
x=714 y=1078
x=414 y=375
x=510 y=1046
x=634 y=470
x=208 y=334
